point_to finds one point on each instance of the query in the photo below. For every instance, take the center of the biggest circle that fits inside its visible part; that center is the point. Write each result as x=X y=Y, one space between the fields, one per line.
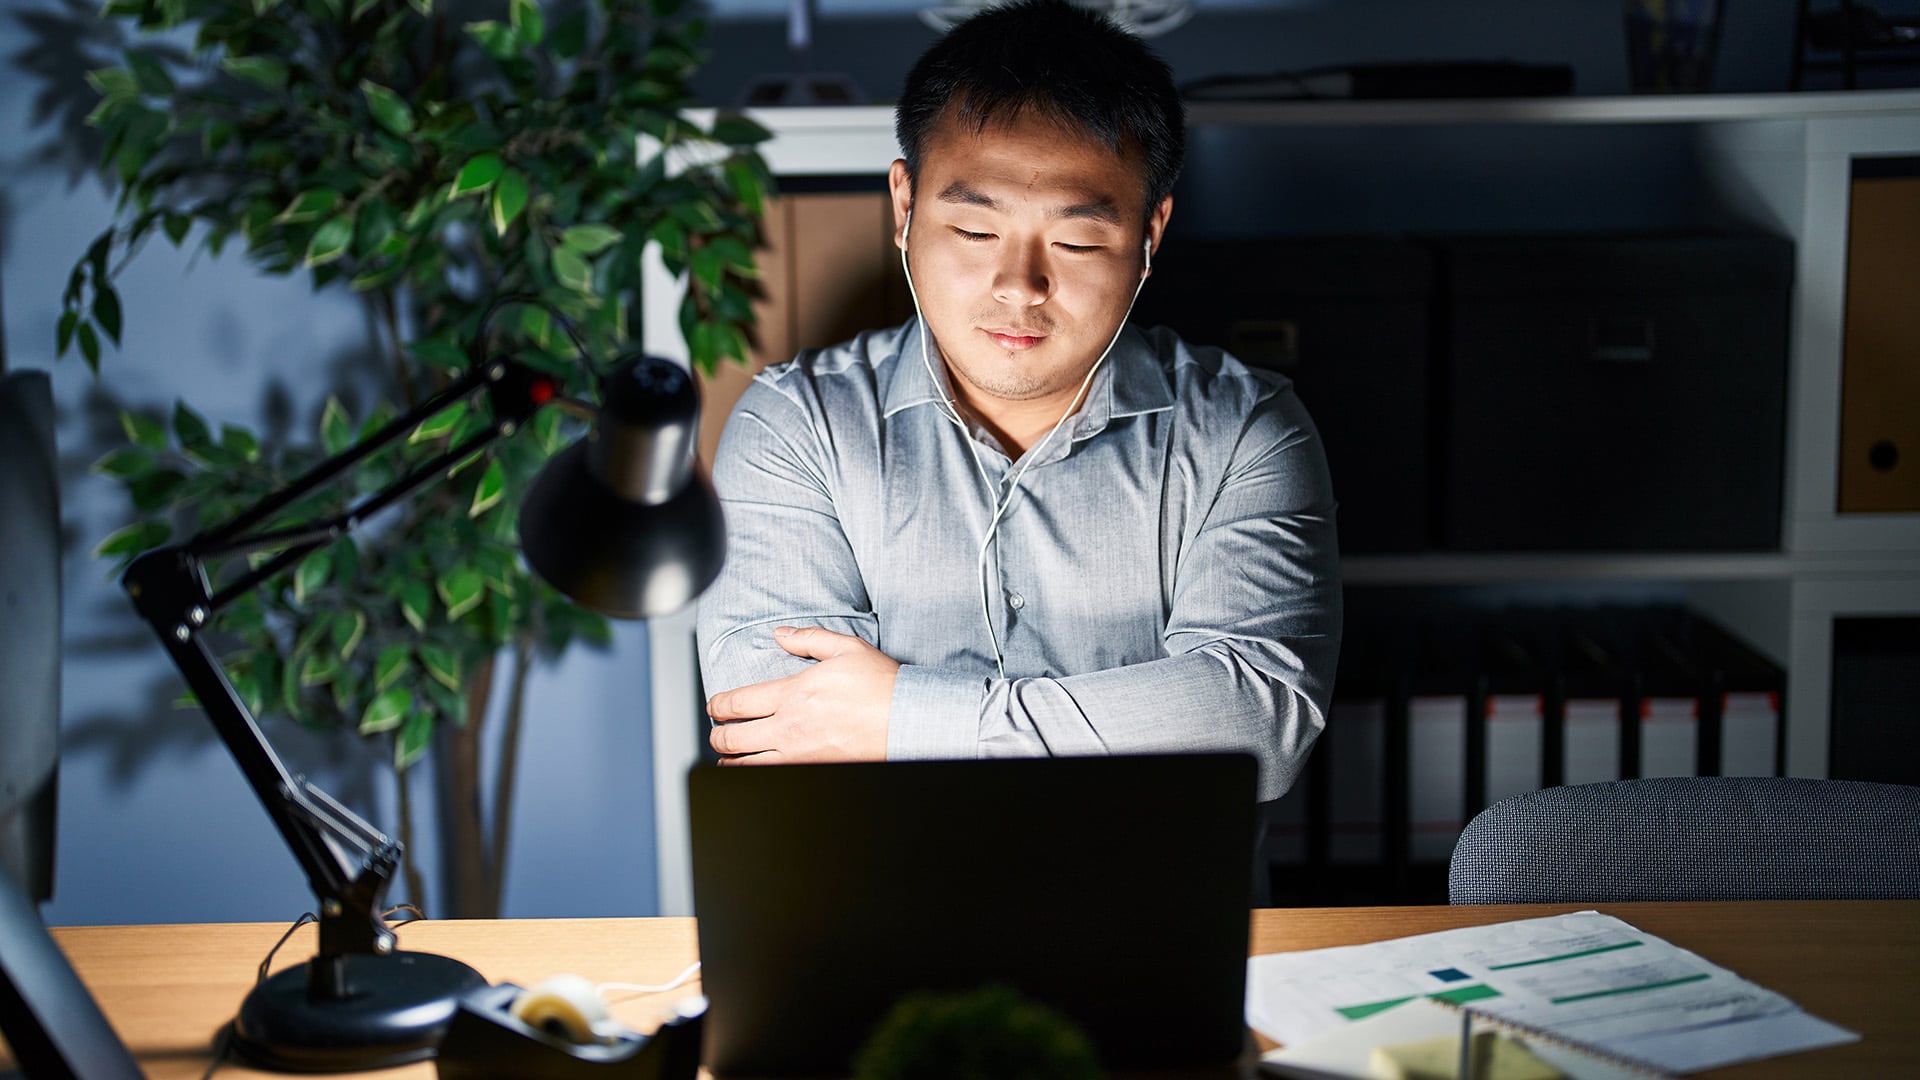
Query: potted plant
x=431 y=163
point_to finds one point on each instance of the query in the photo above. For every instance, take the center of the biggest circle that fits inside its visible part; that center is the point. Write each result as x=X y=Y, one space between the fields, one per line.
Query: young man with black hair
x=1017 y=526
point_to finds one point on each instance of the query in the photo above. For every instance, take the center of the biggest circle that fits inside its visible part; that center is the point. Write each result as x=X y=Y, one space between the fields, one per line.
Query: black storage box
x=1612 y=393
x=1346 y=320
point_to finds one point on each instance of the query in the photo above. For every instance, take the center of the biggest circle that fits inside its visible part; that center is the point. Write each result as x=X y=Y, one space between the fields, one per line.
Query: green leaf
x=389 y=108
x=439 y=424
x=114 y=83
x=748 y=186
x=65 y=335
x=476 y=175
x=590 y=239
x=497 y=41
x=708 y=267
x=149 y=74
x=424 y=7
x=156 y=489
x=240 y=442
x=491 y=489
x=311 y=575
x=319 y=668
x=416 y=603
x=570 y=37
x=411 y=744
x=330 y=240
x=571 y=268
x=438 y=352
x=310 y=205
x=375 y=222
x=336 y=430
x=443 y=664
x=176 y=226
x=189 y=427
x=461 y=590
x=89 y=346
x=348 y=628
x=737 y=129
x=528 y=22
x=144 y=430
x=262 y=71
x=386 y=710
x=126 y=463
x=134 y=539
x=390 y=666
x=509 y=198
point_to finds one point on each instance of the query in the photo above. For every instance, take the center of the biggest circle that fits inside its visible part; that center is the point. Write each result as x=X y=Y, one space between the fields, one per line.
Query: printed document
x=1588 y=979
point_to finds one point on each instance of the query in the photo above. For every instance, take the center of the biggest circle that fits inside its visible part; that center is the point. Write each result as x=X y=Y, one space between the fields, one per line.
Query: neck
x=1017 y=425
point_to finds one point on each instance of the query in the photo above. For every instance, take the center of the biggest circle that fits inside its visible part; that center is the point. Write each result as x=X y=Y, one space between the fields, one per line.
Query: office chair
x=1693 y=838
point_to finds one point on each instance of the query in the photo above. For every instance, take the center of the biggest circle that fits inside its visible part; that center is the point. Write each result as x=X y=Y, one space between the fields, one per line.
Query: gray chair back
x=1693 y=838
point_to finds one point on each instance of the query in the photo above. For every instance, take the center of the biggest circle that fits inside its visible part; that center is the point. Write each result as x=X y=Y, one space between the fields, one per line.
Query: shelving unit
x=1776 y=161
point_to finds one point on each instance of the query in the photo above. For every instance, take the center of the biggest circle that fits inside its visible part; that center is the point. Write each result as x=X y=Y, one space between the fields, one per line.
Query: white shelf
x=1637 y=109
x=1491 y=568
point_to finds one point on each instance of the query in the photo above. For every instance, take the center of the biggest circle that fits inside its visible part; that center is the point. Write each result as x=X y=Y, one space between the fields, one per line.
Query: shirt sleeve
x=788 y=560
x=1252 y=638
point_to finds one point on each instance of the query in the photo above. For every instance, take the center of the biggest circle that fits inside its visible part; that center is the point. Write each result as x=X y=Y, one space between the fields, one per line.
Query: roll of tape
x=567 y=1006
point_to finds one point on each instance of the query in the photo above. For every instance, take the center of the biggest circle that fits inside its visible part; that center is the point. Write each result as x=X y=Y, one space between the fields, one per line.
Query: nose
x=1021 y=279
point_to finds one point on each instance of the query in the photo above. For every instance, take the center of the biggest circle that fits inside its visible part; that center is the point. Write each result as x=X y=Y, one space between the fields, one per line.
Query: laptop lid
x=1114 y=889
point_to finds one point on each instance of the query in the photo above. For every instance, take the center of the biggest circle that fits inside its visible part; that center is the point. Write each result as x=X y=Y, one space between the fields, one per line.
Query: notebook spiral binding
x=1531 y=1031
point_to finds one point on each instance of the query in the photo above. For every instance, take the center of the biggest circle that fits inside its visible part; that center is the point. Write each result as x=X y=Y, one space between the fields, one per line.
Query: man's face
x=1026 y=249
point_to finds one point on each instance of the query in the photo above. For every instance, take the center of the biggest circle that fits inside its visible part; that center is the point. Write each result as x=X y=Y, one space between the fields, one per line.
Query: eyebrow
x=1097 y=210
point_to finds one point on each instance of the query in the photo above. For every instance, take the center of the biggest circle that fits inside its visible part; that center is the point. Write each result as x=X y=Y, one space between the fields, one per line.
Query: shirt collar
x=1130 y=383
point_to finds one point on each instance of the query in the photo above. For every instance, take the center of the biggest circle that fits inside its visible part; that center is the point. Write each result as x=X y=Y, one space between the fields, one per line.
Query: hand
x=835 y=710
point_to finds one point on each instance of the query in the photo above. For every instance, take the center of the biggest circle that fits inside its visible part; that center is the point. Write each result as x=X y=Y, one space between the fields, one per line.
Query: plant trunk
x=509 y=765
x=416 y=886
x=470 y=876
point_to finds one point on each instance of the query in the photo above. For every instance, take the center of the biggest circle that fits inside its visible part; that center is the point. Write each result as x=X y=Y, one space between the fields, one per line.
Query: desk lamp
x=620 y=522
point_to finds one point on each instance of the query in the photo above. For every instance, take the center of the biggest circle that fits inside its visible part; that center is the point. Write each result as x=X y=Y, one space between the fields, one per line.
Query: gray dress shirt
x=1165 y=579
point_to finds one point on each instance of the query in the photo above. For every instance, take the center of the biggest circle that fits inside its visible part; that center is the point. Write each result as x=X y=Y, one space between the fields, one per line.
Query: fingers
x=815 y=642
x=741 y=738
x=748 y=702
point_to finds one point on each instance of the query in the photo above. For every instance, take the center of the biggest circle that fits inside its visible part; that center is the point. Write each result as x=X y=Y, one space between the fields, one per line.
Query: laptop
x=1113 y=889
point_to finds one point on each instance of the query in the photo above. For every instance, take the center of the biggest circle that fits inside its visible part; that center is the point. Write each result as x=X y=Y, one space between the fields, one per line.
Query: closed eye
x=1080 y=249
x=975 y=237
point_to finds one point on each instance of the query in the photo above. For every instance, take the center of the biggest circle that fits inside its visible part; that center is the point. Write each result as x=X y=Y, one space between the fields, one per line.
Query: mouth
x=1014 y=338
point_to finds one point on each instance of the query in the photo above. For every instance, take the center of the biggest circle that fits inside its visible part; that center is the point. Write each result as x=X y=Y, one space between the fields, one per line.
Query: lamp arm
x=348 y=862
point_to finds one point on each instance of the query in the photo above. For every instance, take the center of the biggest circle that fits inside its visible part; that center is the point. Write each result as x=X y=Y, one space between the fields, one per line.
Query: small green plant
x=994 y=1033
x=427 y=162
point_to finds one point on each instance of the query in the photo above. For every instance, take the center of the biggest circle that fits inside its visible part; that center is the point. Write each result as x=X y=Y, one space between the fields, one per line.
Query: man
x=1016 y=525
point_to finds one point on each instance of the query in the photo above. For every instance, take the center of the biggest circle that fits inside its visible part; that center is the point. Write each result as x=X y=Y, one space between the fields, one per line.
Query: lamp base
x=395 y=1012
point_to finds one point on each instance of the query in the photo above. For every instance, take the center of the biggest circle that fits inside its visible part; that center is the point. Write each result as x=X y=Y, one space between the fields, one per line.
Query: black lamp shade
x=622 y=522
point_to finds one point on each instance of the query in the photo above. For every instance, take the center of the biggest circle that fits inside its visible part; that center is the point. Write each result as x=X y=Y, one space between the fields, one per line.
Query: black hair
x=1068 y=64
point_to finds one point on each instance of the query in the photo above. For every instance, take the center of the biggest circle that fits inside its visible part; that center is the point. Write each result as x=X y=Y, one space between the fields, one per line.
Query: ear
x=1157 y=227
x=900 y=190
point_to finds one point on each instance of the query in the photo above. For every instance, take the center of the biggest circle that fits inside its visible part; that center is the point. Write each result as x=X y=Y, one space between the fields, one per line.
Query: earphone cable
x=952 y=412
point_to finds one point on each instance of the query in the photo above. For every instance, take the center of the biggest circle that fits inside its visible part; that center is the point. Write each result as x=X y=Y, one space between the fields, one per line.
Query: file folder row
x=1439 y=712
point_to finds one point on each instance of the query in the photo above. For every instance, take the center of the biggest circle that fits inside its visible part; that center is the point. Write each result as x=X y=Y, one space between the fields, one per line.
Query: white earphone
x=952 y=412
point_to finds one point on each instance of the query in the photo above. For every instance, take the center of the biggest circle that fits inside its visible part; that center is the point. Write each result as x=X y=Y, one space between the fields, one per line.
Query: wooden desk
x=167 y=989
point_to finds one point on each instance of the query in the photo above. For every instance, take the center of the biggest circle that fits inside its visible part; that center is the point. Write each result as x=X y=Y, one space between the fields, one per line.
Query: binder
x=1356 y=796
x=1595 y=685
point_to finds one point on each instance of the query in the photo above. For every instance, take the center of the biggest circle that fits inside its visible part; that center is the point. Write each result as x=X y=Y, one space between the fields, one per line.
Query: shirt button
x=1016 y=601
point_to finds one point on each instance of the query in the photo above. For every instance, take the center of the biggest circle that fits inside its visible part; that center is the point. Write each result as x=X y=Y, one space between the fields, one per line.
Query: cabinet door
x=828 y=271
x=1880 y=370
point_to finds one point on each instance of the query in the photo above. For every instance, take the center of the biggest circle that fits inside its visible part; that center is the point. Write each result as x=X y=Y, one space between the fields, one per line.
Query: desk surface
x=168 y=989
